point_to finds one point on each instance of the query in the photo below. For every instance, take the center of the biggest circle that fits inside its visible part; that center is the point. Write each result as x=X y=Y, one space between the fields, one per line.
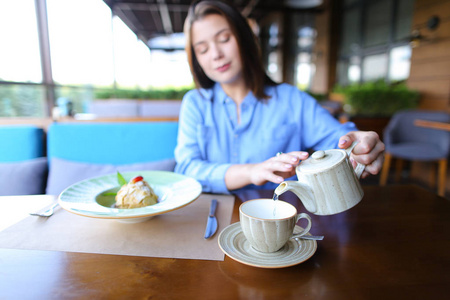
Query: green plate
x=93 y=197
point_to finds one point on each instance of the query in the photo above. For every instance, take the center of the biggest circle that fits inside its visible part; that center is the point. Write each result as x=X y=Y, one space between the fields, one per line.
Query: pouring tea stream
x=327 y=183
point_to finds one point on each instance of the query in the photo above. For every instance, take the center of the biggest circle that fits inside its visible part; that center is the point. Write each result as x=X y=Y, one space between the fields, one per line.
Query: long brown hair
x=253 y=71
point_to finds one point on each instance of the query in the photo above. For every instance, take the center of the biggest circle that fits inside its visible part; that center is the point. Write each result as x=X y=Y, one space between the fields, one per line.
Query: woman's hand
x=369 y=150
x=276 y=169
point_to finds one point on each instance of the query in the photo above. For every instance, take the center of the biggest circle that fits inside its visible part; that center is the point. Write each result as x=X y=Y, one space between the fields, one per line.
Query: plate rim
x=143 y=215
x=299 y=241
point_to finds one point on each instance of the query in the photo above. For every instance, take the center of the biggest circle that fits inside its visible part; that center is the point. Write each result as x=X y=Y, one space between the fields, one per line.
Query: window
x=350 y=39
x=287 y=43
x=85 y=53
x=405 y=12
x=19 y=52
x=400 y=63
x=374 y=41
x=81 y=42
x=306 y=38
x=274 y=56
x=374 y=67
x=20 y=61
x=354 y=69
x=19 y=100
x=305 y=70
x=376 y=25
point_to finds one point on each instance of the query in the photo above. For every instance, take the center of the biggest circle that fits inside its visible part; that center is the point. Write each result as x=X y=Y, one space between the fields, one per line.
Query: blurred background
x=364 y=60
x=55 y=51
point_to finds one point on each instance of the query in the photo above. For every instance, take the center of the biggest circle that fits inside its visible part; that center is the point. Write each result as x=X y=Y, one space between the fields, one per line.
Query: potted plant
x=370 y=105
x=138 y=94
x=162 y=102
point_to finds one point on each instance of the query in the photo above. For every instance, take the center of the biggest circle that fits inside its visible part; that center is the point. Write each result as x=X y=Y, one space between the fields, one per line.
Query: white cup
x=269 y=224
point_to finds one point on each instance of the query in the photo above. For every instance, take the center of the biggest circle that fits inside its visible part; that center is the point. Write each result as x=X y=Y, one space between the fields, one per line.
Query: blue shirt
x=210 y=139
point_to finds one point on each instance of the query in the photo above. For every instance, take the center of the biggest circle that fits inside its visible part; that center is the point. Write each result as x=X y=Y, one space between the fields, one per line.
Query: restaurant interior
x=66 y=136
x=323 y=47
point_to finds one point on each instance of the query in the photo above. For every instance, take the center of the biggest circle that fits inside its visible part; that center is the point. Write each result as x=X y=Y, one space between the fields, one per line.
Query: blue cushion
x=416 y=151
x=404 y=139
x=20 y=143
x=113 y=143
x=64 y=173
x=23 y=178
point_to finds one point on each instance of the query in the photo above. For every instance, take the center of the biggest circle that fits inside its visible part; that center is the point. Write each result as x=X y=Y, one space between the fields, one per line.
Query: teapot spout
x=303 y=192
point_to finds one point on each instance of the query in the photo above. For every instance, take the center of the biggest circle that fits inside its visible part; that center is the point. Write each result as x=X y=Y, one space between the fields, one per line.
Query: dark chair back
x=401 y=129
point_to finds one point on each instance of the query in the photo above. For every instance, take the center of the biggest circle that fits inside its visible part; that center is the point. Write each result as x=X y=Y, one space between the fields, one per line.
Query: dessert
x=136 y=193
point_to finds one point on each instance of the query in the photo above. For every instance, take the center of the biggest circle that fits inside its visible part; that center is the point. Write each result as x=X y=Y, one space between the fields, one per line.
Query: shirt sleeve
x=188 y=155
x=320 y=130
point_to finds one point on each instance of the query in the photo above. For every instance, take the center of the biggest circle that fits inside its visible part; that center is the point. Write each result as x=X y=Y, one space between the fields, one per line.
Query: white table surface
x=16 y=208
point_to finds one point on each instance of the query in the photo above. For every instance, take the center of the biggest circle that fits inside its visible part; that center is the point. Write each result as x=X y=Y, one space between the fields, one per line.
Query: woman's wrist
x=238 y=176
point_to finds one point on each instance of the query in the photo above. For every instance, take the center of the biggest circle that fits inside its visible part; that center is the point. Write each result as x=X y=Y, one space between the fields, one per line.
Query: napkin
x=176 y=234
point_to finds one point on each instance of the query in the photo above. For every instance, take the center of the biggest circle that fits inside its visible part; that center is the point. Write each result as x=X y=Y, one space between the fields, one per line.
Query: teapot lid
x=322 y=160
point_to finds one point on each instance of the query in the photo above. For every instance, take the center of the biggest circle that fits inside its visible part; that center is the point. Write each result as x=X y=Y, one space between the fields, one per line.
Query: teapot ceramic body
x=327 y=183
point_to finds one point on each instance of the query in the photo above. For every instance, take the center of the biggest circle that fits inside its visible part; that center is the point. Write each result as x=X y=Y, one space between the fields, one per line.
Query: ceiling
x=162 y=20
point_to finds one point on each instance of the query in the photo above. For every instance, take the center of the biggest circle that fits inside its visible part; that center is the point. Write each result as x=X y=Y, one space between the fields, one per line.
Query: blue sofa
x=77 y=151
x=112 y=143
x=19 y=143
x=23 y=167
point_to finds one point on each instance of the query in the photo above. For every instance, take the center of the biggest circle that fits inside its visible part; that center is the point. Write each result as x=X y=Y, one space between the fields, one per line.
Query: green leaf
x=109 y=194
x=120 y=179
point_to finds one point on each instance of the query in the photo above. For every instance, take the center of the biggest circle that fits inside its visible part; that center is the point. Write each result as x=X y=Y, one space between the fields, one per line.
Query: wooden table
x=395 y=244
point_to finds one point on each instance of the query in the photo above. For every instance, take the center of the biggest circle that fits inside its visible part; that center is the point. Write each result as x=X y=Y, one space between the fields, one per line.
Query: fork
x=46 y=213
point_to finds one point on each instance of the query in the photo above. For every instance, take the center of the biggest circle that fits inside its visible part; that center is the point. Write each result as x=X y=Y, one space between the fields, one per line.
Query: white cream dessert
x=137 y=193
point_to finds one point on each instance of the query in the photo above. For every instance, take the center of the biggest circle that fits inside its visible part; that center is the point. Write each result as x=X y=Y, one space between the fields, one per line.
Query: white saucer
x=234 y=244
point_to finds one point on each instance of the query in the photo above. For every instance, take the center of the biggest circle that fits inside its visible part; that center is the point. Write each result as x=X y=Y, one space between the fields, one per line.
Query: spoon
x=46 y=213
x=309 y=237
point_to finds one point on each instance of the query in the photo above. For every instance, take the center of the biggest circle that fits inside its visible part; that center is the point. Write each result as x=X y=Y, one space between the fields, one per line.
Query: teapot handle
x=359 y=167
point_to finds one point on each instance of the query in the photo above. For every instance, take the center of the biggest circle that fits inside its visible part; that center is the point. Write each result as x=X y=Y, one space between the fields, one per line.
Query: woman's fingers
x=373 y=159
x=292 y=158
x=374 y=167
x=366 y=141
x=261 y=174
x=277 y=168
x=283 y=165
x=371 y=156
x=369 y=150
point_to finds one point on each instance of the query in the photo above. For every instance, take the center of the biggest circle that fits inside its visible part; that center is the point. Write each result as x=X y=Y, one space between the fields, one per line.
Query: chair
x=406 y=141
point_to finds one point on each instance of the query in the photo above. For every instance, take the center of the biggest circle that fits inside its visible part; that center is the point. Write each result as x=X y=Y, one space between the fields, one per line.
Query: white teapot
x=327 y=183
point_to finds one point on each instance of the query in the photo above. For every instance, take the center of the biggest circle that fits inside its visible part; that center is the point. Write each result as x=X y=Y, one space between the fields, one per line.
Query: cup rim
x=273 y=220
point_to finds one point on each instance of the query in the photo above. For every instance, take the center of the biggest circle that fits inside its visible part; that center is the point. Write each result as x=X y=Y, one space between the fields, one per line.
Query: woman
x=232 y=127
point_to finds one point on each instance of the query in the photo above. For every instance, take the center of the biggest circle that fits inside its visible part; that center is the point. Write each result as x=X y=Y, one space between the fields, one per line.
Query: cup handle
x=308 y=227
x=359 y=167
